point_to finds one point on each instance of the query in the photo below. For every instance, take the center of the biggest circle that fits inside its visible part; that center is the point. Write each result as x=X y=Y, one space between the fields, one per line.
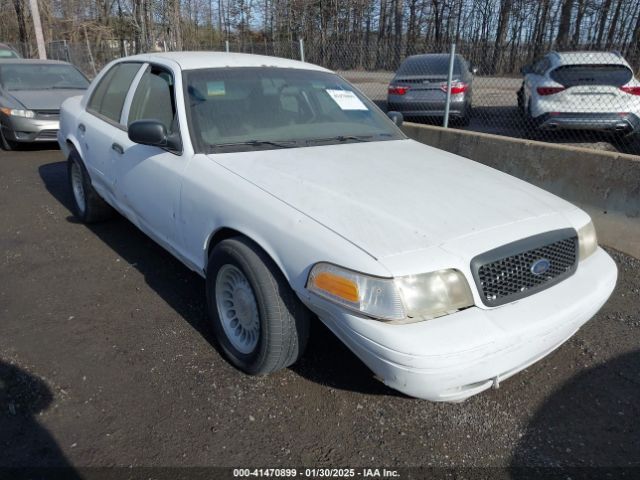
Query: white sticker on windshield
x=346 y=99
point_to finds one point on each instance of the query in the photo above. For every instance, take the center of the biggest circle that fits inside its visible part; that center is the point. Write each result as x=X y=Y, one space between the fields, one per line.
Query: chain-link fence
x=579 y=96
x=582 y=95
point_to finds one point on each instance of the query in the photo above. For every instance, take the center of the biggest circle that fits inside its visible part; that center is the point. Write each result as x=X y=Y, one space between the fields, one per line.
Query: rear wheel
x=89 y=207
x=259 y=322
x=629 y=141
x=465 y=120
x=529 y=125
x=520 y=96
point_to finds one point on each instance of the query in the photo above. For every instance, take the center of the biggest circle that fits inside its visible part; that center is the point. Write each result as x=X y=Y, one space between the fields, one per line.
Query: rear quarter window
x=574 y=75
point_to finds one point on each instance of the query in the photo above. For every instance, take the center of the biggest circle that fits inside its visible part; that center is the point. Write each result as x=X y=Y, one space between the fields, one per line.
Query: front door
x=148 y=178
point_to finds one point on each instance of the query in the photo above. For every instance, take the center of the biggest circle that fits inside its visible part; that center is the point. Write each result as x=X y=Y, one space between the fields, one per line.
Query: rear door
x=592 y=88
x=100 y=122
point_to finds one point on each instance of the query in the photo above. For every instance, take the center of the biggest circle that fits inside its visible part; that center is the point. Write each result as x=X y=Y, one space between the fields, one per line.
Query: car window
x=154 y=98
x=572 y=75
x=541 y=66
x=41 y=76
x=109 y=96
x=429 y=65
x=5 y=53
x=234 y=105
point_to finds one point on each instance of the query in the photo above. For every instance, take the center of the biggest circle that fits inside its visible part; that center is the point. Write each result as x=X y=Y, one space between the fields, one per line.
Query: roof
x=5 y=61
x=426 y=56
x=198 y=60
x=582 y=58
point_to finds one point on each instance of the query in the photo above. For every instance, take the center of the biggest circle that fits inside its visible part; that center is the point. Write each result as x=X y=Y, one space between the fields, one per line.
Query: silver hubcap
x=237 y=309
x=77 y=186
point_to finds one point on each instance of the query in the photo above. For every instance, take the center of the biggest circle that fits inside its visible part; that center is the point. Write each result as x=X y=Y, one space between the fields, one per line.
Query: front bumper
x=456 y=356
x=607 y=122
x=28 y=130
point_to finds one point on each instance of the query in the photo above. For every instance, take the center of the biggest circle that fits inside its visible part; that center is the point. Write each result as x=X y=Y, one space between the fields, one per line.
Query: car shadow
x=35 y=147
x=28 y=449
x=329 y=362
x=591 y=421
x=326 y=360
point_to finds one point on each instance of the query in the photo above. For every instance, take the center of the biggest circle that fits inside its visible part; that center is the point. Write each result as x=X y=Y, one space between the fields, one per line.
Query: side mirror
x=396 y=117
x=153 y=132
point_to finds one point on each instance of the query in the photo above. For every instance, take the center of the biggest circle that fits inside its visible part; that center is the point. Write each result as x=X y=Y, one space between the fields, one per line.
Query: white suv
x=581 y=91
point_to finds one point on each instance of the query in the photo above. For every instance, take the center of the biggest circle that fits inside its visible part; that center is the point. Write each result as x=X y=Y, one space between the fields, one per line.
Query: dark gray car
x=31 y=92
x=419 y=87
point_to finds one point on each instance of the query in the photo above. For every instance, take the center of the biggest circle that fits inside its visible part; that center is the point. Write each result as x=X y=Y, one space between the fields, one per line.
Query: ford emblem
x=540 y=266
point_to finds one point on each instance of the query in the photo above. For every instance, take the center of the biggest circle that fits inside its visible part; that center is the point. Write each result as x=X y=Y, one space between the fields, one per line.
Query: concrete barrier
x=605 y=184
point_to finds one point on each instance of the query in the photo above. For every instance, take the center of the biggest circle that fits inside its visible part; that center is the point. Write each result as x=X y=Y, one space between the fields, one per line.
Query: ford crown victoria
x=295 y=197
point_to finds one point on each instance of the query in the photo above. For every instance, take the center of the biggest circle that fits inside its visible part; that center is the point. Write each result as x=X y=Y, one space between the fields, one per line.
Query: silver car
x=31 y=92
x=419 y=87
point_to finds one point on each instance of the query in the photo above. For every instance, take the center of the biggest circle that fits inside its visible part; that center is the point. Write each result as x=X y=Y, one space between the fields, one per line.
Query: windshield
x=36 y=76
x=239 y=109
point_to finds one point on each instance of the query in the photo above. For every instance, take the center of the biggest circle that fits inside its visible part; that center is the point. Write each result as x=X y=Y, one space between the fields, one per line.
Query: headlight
x=588 y=240
x=13 y=112
x=410 y=299
x=434 y=294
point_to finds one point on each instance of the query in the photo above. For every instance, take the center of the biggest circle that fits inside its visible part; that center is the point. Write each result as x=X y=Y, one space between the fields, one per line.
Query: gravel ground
x=106 y=359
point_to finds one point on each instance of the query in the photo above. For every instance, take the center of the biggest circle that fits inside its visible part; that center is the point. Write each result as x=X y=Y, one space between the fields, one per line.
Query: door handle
x=82 y=128
x=117 y=148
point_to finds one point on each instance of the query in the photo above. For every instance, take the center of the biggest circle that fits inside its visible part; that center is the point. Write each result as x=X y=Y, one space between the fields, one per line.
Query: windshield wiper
x=341 y=138
x=68 y=87
x=256 y=143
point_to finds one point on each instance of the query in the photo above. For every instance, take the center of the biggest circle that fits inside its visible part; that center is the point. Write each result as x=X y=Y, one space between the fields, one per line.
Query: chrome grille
x=522 y=268
x=48 y=114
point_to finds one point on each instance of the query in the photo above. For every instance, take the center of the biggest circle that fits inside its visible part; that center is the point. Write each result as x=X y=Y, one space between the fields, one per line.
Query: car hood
x=392 y=197
x=43 y=99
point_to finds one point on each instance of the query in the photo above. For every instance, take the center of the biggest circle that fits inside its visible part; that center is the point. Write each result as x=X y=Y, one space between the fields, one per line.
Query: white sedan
x=293 y=195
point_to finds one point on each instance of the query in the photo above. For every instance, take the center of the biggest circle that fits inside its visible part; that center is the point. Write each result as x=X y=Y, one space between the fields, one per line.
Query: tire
x=529 y=125
x=7 y=144
x=628 y=141
x=259 y=322
x=88 y=206
x=520 y=97
x=465 y=120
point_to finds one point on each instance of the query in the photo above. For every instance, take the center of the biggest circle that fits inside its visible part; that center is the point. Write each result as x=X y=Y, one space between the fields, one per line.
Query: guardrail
x=605 y=184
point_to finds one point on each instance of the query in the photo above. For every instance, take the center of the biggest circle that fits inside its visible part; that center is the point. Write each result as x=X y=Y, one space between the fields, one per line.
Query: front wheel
x=7 y=144
x=259 y=322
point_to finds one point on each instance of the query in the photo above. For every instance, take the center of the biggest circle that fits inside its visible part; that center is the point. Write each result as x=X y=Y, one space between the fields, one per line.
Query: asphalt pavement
x=107 y=358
